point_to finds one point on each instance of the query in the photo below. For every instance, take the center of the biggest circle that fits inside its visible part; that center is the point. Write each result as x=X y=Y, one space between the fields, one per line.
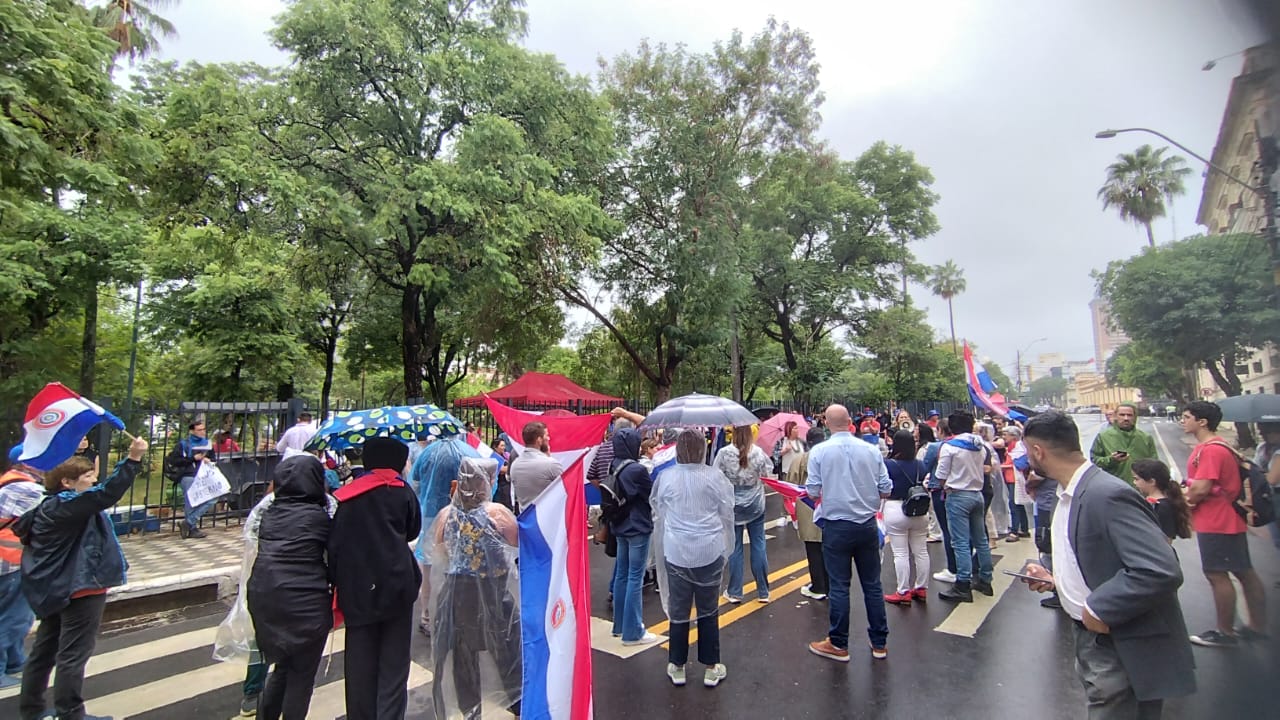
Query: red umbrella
x=771 y=429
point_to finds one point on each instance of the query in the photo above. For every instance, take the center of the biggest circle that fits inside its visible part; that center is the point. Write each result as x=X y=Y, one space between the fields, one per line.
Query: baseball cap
x=933 y=413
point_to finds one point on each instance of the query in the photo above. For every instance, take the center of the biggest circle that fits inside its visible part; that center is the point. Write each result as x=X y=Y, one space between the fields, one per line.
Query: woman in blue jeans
x=744 y=464
x=632 y=527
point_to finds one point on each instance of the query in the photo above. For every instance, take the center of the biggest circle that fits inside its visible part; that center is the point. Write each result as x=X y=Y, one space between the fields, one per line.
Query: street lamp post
x=1107 y=134
x=1018 y=367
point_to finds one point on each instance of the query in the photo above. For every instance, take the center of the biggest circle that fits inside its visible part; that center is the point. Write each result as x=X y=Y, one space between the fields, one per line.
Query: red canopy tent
x=542 y=390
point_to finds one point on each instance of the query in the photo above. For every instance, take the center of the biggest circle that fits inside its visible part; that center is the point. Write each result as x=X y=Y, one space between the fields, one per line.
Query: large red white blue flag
x=980 y=385
x=555 y=587
x=57 y=418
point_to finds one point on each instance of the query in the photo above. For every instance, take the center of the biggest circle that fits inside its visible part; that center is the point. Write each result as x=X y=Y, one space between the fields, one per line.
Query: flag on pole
x=555 y=586
x=57 y=418
x=981 y=385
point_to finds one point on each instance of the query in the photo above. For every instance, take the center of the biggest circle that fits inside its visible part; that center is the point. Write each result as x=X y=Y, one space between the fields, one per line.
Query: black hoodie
x=288 y=589
x=634 y=484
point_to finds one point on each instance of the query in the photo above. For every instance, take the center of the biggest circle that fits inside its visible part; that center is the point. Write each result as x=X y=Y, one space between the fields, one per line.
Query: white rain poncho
x=693 y=531
x=433 y=474
x=235 y=641
x=475 y=599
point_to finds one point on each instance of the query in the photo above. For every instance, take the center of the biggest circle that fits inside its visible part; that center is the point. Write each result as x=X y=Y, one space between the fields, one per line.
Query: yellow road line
x=745 y=609
x=661 y=628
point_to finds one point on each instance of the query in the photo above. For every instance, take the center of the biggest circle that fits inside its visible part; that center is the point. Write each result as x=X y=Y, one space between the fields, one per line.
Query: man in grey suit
x=1116 y=576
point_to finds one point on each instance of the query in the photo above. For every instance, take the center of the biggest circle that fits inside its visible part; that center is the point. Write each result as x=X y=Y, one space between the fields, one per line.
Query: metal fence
x=247 y=433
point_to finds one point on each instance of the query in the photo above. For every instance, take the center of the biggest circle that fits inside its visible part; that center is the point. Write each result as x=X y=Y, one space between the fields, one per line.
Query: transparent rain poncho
x=693 y=534
x=433 y=473
x=475 y=600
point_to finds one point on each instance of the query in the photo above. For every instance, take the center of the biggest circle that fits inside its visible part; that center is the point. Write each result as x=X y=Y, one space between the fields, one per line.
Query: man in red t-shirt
x=1214 y=475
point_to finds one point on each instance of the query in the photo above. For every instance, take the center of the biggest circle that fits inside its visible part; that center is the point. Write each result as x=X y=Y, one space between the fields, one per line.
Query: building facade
x=1107 y=337
x=1227 y=206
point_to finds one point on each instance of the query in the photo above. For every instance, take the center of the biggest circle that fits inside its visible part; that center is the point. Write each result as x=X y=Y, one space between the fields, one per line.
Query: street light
x=1108 y=134
x=1019 y=362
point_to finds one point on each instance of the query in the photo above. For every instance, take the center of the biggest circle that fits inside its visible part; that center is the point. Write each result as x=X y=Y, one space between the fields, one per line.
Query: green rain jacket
x=1138 y=444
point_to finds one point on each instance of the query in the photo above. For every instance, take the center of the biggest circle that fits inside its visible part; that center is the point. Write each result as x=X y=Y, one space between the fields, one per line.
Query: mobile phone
x=1028 y=578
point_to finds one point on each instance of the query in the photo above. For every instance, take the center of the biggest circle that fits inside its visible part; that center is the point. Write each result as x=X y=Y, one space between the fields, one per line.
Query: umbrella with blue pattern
x=403 y=422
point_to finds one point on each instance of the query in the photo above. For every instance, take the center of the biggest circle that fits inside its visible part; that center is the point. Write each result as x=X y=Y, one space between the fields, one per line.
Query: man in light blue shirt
x=848 y=478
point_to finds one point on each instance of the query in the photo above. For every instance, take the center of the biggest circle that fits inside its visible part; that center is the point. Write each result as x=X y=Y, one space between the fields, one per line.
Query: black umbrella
x=1251 y=408
x=698 y=410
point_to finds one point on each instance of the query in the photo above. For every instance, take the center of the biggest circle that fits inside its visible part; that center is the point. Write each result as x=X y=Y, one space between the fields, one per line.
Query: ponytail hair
x=1156 y=472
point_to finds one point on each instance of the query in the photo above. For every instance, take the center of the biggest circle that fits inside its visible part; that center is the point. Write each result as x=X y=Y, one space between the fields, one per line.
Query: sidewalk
x=163 y=562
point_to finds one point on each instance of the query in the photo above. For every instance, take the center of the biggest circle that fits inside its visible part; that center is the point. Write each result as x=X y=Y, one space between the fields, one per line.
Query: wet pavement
x=1017 y=663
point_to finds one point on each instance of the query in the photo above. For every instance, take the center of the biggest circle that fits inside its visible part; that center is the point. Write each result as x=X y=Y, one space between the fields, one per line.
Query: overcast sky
x=999 y=98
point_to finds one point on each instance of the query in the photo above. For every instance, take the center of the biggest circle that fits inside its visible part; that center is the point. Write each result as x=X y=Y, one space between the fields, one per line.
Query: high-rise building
x=1107 y=338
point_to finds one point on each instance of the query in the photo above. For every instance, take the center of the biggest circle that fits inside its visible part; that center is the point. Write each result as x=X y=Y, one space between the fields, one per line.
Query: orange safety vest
x=10 y=545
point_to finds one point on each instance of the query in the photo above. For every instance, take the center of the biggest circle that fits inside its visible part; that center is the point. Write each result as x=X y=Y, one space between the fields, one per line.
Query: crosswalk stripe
x=177 y=688
x=967 y=618
x=329 y=701
x=134 y=654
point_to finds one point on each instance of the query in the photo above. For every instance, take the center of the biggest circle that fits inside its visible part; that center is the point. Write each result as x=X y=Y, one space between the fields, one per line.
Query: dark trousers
x=847 y=544
x=1106 y=684
x=817 y=568
x=254 y=678
x=940 y=514
x=287 y=692
x=1018 y=521
x=376 y=666
x=65 y=641
x=689 y=587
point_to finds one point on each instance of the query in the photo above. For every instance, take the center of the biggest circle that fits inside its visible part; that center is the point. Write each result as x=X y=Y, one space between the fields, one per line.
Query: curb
x=226 y=578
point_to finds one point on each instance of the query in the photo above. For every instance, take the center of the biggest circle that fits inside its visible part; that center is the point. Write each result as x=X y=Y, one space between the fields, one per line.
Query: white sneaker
x=676 y=673
x=944 y=576
x=731 y=599
x=808 y=592
x=935 y=538
x=645 y=639
x=714 y=675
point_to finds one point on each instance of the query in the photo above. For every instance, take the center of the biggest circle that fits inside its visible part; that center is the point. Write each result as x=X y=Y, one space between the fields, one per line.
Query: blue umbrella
x=403 y=422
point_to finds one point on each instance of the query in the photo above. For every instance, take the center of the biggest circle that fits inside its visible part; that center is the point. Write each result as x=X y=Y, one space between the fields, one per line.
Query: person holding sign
x=184 y=464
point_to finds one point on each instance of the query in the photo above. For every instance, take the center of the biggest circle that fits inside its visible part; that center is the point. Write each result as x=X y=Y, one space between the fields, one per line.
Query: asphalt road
x=997 y=658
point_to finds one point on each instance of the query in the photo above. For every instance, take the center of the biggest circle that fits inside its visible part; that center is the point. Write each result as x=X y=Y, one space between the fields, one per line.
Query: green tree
x=1206 y=300
x=1151 y=369
x=1048 y=389
x=693 y=132
x=135 y=27
x=947 y=281
x=458 y=162
x=66 y=145
x=823 y=236
x=1139 y=183
x=904 y=352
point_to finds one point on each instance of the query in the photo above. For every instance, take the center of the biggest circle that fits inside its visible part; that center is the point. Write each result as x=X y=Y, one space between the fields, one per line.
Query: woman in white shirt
x=744 y=463
x=791 y=446
x=693 y=511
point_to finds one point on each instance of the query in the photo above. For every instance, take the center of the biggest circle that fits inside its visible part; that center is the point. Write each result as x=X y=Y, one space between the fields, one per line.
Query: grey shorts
x=1224 y=553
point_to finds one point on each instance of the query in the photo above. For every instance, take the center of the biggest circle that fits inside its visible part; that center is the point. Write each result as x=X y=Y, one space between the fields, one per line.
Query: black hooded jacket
x=288 y=589
x=634 y=485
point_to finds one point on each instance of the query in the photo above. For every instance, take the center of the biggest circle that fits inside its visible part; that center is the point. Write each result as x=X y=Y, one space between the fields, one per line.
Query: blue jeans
x=846 y=544
x=628 y=578
x=966 y=520
x=193 y=514
x=1018 y=520
x=940 y=512
x=15 y=621
x=759 y=560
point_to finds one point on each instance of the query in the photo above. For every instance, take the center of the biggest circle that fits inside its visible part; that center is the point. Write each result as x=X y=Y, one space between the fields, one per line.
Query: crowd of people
x=324 y=555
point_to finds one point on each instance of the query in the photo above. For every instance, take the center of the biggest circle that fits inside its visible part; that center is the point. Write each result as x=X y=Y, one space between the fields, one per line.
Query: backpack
x=174 y=467
x=1255 y=503
x=613 y=501
x=918 y=500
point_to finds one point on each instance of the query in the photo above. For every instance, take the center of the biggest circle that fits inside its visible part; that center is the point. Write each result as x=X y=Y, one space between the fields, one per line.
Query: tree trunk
x=89 y=343
x=1229 y=382
x=411 y=340
x=330 y=359
x=735 y=362
x=1151 y=238
x=952 y=316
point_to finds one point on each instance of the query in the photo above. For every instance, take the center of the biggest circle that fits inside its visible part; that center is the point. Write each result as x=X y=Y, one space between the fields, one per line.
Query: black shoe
x=196 y=533
x=960 y=592
x=249 y=706
x=984 y=587
x=184 y=530
x=1213 y=638
x=1052 y=602
x=1248 y=634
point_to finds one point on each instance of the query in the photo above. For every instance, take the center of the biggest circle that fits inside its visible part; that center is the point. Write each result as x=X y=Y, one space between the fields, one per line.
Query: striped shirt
x=16 y=498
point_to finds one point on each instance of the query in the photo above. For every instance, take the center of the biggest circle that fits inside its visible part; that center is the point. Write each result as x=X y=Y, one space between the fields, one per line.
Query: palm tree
x=1138 y=184
x=133 y=25
x=947 y=281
